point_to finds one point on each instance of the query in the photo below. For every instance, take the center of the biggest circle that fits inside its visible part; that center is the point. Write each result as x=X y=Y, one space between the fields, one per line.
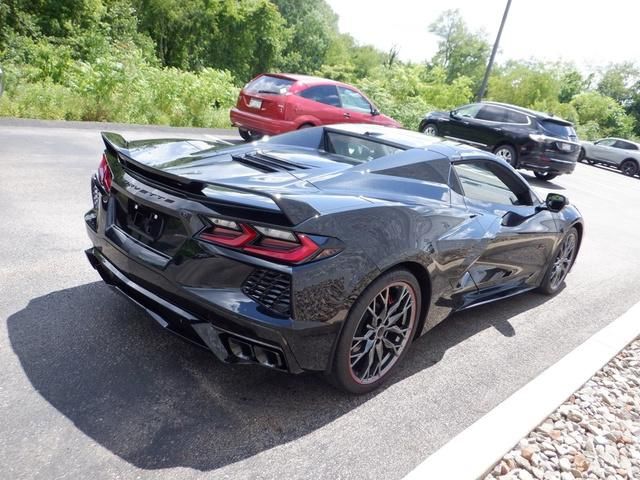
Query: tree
x=611 y=118
x=460 y=51
x=524 y=83
x=313 y=28
x=618 y=80
x=571 y=84
x=245 y=37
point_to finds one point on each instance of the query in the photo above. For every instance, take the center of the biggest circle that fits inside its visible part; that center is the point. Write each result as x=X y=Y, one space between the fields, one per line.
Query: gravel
x=595 y=434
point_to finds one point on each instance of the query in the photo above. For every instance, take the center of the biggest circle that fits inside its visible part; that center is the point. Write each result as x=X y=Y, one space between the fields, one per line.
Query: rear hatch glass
x=559 y=130
x=269 y=84
x=262 y=96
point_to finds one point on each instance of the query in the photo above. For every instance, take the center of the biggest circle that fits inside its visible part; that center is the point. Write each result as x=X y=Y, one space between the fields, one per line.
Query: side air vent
x=267 y=163
x=270 y=289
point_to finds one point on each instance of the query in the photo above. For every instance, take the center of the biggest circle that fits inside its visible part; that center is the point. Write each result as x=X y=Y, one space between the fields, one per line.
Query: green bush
x=119 y=85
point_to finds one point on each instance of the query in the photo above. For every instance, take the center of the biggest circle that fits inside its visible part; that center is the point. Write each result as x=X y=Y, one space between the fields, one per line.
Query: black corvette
x=326 y=249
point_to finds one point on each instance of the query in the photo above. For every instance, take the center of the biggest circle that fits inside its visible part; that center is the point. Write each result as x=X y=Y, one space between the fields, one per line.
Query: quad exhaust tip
x=249 y=352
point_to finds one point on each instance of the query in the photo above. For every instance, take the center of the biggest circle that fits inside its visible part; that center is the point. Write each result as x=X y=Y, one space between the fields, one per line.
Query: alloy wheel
x=430 y=130
x=505 y=154
x=563 y=261
x=383 y=332
x=629 y=168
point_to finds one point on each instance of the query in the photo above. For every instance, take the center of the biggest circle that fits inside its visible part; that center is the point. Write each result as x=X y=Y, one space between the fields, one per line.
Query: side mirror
x=374 y=111
x=453 y=114
x=556 y=202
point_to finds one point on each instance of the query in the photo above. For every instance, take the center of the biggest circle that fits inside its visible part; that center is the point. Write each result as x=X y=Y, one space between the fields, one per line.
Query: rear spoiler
x=295 y=211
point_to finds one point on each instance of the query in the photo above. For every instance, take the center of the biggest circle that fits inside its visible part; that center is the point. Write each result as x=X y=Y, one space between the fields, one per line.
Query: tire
x=249 y=135
x=508 y=154
x=554 y=278
x=545 y=175
x=581 y=155
x=306 y=125
x=356 y=371
x=629 y=167
x=430 y=129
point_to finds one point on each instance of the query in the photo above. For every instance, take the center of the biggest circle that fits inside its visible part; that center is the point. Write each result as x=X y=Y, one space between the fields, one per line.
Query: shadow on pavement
x=541 y=183
x=158 y=402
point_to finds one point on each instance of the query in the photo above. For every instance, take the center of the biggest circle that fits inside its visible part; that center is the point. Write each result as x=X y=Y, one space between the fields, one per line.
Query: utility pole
x=487 y=72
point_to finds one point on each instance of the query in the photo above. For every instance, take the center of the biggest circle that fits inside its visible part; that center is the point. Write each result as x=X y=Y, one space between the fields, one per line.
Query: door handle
x=346 y=115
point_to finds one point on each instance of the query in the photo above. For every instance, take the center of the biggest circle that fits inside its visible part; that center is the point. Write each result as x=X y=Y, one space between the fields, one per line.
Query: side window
x=352 y=100
x=606 y=142
x=468 y=110
x=492 y=113
x=327 y=94
x=625 y=145
x=517 y=117
x=489 y=182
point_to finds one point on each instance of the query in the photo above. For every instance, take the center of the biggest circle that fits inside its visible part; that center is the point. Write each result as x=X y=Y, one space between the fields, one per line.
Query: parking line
x=472 y=453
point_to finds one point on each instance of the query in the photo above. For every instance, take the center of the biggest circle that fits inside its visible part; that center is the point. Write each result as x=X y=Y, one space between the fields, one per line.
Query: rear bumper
x=258 y=123
x=225 y=321
x=543 y=160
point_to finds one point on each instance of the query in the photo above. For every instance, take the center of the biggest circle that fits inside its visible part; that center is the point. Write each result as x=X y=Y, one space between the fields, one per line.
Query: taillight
x=290 y=251
x=104 y=173
x=279 y=245
x=229 y=234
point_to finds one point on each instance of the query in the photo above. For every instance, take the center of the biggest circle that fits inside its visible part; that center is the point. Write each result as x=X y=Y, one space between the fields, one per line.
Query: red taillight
x=290 y=252
x=229 y=237
x=104 y=173
x=275 y=244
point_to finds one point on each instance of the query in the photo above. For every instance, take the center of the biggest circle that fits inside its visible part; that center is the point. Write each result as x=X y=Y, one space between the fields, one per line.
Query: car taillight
x=290 y=251
x=229 y=234
x=104 y=173
x=272 y=243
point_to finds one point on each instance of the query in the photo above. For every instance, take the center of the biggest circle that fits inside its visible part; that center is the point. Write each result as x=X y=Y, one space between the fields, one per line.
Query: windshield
x=269 y=84
x=559 y=130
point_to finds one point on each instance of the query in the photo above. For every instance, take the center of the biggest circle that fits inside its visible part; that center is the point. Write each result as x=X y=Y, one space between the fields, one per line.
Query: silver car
x=615 y=152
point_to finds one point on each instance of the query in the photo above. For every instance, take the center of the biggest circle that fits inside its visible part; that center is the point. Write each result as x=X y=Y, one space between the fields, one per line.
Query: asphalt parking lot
x=91 y=387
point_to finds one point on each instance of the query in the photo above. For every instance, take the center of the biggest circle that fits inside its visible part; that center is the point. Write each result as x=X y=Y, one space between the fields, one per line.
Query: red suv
x=276 y=103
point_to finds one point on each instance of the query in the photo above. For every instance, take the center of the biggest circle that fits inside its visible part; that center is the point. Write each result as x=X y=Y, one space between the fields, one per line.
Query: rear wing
x=294 y=210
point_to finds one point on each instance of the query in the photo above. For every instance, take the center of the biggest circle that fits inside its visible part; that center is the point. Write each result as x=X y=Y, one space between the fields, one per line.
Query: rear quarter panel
x=438 y=240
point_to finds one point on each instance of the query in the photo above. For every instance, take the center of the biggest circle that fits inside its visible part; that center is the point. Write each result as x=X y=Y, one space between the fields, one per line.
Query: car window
x=606 y=142
x=269 y=84
x=625 y=145
x=517 y=117
x=352 y=100
x=468 y=110
x=492 y=113
x=559 y=130
x=327 y=94
x=357 y=148
x=486 y=182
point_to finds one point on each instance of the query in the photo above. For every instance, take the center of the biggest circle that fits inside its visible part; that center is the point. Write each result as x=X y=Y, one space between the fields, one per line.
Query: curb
x=29 y=122
x=487 y=440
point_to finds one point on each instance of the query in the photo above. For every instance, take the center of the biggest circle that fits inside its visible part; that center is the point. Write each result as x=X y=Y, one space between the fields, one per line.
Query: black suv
x=526 y=139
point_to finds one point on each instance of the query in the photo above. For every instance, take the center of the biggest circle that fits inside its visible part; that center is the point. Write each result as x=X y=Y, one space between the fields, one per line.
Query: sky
x=588 y=33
